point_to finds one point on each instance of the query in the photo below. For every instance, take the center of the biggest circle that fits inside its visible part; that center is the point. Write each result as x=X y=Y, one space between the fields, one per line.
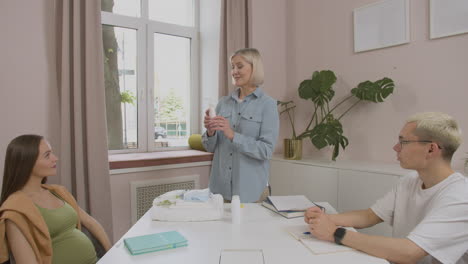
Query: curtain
x=84 y=166
x=234 y=35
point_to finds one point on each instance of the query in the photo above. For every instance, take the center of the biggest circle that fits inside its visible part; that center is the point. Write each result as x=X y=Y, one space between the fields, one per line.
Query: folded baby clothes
x=197 y=195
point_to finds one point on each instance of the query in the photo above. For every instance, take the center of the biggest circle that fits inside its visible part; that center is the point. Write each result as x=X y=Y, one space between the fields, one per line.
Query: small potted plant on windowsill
x=324 y=128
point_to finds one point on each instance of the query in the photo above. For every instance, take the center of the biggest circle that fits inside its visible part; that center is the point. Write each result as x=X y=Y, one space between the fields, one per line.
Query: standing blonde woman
x=41 y=223
x=243 y=133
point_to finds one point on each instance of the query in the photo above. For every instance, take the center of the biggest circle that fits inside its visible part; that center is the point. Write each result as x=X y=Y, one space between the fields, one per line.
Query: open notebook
x=288 y=213
x=289 y=206
x=291 y=202
x=301 y=233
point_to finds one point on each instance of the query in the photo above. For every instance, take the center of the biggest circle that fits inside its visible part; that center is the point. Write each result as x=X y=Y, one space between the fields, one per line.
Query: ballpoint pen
x=319 y=206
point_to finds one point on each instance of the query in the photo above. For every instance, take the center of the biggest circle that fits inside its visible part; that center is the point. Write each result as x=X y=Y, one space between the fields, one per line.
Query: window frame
x=145 y=65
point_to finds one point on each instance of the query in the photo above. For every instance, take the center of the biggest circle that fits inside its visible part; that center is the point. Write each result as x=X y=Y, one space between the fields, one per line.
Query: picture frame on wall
x=448 y=18
x=381 y=24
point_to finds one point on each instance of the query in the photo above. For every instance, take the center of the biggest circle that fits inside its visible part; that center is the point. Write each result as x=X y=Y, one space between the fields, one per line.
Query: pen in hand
x=319 y=206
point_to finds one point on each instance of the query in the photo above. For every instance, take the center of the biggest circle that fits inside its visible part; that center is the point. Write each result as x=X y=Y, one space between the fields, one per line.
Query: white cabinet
x=346 y=185
x=359 y=190
x=316 y=183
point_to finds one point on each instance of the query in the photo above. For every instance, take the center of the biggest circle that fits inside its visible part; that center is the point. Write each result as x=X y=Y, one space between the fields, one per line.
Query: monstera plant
x=324 y=127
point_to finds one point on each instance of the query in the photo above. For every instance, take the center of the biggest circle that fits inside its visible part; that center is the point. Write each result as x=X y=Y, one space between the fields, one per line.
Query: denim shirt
x=241 y=166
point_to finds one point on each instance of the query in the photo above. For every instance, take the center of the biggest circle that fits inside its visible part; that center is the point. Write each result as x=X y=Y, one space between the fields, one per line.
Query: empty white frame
x=448 y=17
x=381 y=24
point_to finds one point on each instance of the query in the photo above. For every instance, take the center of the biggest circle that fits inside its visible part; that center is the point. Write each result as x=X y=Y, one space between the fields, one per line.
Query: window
x=150 y=68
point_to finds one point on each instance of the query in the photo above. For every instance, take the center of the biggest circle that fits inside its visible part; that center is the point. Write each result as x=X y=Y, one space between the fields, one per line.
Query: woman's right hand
x=207 y=122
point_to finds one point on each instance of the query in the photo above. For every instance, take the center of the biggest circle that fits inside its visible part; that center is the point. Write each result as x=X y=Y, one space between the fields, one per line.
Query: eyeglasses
x=404 y=142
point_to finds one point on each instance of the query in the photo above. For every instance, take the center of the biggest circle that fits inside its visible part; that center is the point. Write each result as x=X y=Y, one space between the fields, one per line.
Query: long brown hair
x=21 y=156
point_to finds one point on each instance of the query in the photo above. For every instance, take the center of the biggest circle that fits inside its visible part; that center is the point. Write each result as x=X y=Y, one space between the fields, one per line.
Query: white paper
x=313 y=244
x=298 y=231
x=238 y=256
x=291 y=202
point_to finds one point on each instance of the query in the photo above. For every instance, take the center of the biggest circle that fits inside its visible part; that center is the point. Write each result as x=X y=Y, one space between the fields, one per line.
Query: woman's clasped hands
x=218 y=123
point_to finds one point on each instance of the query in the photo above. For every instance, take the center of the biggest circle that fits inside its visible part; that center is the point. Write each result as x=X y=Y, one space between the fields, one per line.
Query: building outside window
x=151 y=73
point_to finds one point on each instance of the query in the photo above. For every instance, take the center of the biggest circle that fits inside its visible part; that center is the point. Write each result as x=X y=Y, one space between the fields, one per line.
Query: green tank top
x=69 y=244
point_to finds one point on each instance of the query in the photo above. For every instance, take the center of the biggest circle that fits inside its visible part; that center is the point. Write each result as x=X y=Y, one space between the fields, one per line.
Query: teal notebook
x=155 y=242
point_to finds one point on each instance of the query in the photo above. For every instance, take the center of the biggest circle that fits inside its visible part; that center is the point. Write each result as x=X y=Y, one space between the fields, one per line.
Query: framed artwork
x=381 y=24
x=448 y=18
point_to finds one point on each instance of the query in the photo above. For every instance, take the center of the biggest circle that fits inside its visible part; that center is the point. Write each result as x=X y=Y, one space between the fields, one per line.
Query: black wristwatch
x=339 y=235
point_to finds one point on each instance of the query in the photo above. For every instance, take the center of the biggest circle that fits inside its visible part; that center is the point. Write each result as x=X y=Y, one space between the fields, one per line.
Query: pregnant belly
x=73 y=247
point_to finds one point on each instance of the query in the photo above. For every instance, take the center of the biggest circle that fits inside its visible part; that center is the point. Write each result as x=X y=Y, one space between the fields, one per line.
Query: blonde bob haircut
x=440 y=128
x=253 y=57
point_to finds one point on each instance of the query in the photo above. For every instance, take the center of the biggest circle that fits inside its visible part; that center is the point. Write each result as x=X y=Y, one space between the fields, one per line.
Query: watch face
x=339 y=234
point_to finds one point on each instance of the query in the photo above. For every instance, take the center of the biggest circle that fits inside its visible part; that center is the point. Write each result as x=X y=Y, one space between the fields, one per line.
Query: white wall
x=27 y=79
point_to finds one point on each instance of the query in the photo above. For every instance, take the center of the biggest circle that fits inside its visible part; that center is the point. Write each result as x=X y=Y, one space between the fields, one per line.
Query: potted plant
x=324 y=128
x=466 y=166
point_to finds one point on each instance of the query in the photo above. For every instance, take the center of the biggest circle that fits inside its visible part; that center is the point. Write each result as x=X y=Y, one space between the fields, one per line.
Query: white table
x=260 y=228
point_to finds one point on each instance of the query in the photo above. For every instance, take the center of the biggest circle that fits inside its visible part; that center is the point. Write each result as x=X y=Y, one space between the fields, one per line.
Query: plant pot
x=292 y=149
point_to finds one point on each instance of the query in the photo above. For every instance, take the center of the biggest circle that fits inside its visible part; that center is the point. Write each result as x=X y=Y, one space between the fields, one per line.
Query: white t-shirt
x=436 y=219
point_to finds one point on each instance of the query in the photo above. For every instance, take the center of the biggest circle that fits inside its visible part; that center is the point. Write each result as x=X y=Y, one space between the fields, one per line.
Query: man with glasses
x=428 y=209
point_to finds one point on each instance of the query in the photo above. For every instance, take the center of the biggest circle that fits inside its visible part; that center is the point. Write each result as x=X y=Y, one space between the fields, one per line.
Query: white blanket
x=172 y=207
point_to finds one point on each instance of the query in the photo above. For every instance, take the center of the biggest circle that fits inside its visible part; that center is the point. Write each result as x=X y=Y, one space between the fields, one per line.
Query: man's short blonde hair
x=253 y=57
x=440 y=128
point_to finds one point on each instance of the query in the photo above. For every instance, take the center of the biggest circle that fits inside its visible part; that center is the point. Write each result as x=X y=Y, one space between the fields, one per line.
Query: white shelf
x=365 y=166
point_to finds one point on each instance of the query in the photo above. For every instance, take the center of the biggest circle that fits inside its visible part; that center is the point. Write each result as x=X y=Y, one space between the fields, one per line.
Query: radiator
x=143 y=192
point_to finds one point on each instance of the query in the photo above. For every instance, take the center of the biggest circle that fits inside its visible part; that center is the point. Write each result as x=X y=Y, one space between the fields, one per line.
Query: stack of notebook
x=155 y=242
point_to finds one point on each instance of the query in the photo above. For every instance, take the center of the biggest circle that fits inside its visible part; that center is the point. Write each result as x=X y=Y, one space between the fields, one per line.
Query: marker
x=306 y=233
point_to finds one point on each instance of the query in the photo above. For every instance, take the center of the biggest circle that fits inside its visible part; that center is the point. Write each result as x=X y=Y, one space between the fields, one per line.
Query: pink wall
x=27 y=78
x=297 y=37
x=270 y=35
